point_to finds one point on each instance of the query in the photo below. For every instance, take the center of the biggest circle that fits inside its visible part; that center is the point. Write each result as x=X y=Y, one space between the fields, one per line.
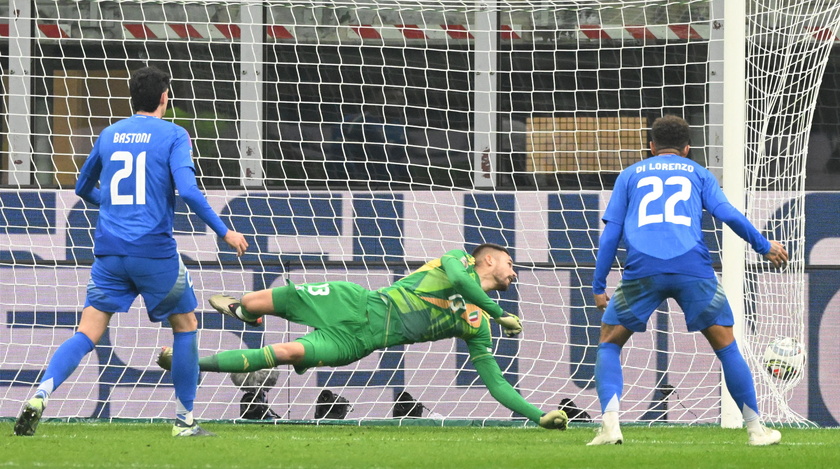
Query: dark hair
x=669 y=132
x=481 y=247
x=146 y=86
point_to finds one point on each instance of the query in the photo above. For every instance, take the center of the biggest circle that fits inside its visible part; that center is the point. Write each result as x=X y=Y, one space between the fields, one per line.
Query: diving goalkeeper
x=444 y=298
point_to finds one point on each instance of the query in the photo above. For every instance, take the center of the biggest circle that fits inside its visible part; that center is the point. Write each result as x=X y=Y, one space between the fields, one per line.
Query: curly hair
x=669 y=132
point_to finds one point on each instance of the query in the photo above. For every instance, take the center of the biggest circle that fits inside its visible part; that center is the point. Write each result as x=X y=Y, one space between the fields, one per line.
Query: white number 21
x=656 y=192
x=127 y=158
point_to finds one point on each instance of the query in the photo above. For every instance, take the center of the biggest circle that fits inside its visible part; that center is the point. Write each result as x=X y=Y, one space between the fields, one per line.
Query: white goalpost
x=355 y=140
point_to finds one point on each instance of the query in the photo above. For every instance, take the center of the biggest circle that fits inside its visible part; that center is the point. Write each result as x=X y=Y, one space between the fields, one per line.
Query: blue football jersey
x=660 y=201
x=134 y=160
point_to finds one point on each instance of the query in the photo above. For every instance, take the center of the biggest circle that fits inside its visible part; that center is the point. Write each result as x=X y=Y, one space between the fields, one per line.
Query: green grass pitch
x=248 y=446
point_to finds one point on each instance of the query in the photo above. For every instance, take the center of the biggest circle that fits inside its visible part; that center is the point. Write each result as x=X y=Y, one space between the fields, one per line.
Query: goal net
x=355 y=140
x=787 y=51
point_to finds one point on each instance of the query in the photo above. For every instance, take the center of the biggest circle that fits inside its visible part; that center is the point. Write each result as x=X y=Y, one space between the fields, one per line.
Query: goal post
x=355 y=140
x=734 y=144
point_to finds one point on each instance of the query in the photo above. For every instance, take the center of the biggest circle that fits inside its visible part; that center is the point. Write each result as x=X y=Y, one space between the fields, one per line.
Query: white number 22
x=127 y=158
x=656 y=192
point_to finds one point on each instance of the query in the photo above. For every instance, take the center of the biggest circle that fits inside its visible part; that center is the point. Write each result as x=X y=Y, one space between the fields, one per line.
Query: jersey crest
x=472 y=314
x=469 y=312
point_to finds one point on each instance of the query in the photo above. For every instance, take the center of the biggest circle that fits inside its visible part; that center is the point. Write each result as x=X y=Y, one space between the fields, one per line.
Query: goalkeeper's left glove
x=511 y=324
x=554 y=420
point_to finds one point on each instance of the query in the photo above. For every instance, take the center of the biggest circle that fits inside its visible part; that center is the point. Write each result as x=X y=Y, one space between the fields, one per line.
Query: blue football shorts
x=702 y=300
x=166 y=286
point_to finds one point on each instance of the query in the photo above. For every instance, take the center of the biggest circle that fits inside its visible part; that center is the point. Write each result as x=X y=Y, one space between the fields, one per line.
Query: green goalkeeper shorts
x=338 y=312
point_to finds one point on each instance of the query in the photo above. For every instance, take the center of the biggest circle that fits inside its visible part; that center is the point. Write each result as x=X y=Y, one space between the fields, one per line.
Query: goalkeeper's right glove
x=554 y=420
x=511 y=324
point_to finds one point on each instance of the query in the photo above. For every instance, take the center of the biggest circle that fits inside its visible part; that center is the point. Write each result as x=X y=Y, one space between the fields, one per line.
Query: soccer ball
x=784 y=358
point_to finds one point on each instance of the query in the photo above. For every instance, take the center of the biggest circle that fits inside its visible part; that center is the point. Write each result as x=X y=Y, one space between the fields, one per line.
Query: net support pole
x=20 y=63
x=714 y=122
x=484 y=97
x=734 y=148
x=251 y=95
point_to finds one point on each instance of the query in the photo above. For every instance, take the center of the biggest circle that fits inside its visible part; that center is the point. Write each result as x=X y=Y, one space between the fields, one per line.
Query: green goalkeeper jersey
x=444 y=299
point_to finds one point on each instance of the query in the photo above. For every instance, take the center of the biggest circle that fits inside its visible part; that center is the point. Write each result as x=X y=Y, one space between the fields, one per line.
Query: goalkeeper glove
x=164 y=358
x=554 y=420
x=511 y=324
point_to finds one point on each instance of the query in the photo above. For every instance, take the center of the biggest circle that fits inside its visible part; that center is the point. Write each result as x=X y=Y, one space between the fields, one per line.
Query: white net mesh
x=788 y=45
x=356 y=140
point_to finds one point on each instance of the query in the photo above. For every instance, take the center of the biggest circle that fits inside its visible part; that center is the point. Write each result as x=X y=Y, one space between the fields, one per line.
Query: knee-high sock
x=739 y=380
x=63 y=363
x=240 y=361
x=185 y=372
x=608 y=377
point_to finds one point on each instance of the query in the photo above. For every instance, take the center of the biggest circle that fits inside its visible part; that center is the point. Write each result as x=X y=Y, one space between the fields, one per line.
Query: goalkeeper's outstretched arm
x=490 y=373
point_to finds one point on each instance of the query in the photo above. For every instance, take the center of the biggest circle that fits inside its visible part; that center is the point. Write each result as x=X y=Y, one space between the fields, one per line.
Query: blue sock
x=185 y=373
x=738 y=380
x=63 y=362
x=608 y=377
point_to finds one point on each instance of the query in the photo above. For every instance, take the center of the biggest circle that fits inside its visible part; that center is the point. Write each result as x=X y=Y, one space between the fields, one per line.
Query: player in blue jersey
x=138 y=163
x=656 y=207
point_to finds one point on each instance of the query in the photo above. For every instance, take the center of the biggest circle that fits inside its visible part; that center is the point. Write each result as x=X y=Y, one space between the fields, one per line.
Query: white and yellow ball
x=784 y=358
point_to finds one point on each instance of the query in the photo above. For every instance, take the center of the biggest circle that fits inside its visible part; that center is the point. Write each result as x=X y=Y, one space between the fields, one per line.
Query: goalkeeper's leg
x=243 y=360
x=322 y=347
x=250 y=308
x=280 y=301
x=234 y=308
x=271 y=301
